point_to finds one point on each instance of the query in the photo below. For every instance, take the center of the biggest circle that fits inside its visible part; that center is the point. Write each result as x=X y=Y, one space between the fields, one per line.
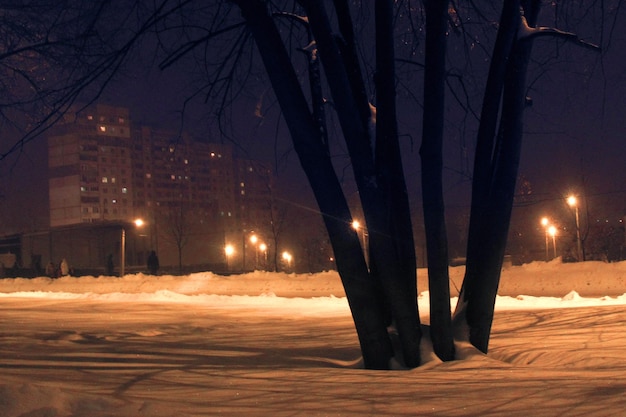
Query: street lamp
x=263 y=248
x=138 y=223
x=229 y=251
x=287 y=257
x=552 y=232
x=545 y=222
x=254 y=240
x=573 y=202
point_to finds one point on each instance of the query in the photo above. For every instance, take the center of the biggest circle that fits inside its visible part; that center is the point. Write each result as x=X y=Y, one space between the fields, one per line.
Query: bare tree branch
x=527 y=32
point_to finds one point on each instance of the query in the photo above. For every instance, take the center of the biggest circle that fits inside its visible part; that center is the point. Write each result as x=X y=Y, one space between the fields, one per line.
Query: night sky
x=574 y=141
x=574 y=131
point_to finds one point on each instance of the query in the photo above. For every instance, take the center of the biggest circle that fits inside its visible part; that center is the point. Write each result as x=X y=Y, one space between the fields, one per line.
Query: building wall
x=103 y=171
x=185 y=189
x=90 y=167
x=85 y=247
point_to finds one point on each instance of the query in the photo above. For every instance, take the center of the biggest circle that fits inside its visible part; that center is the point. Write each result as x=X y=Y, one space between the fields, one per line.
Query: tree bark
x=390 y=176
x=386 y=266
x=431 y=153
x=361 y=291
x=496 y=168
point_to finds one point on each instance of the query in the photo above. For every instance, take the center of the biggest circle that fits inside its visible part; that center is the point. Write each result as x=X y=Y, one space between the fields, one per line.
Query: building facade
x=90 y=168
x=104 y=172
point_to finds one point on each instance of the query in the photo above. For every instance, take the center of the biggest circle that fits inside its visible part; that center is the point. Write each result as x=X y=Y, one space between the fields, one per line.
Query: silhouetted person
x=110 y=265
x=153 y=263
x=51 y=270
x=64 y=268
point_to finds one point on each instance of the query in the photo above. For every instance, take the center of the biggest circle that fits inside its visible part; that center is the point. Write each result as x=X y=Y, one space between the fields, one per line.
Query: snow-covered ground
x=284 y=345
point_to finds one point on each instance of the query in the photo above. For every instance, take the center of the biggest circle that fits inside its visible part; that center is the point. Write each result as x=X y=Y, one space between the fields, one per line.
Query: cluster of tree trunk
x=380 y=280
x=381 y=288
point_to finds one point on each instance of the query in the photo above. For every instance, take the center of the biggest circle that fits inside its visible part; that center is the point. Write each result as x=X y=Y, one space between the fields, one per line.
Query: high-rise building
x=185 y=189
x=104 y=172
x=90 y=168
x=255 y=210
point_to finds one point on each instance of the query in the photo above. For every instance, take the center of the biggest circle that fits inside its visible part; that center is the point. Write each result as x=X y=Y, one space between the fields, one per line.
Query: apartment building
x=90 y=168
x=104 y=172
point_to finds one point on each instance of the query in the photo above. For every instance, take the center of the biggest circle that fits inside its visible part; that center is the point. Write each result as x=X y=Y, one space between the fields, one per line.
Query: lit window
x=172 y=177
x=114 y=201
x=102 y=128
x=113 y=180
x=124 y=190
x=83 y=188
x=89 y=117
x=148 y=175
x=212 y=154
x=120 y=120
x=105 y=180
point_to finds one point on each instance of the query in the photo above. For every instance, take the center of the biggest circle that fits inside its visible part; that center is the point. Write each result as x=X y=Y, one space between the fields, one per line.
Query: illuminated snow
x=284 y=345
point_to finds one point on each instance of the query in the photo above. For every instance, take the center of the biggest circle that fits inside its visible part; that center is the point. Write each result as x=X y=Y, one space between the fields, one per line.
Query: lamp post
x=138 y=223
x=573 y=202
x=263 y=248
x=229 y=251
x=552 y=232
x=287 y=257
x=545 y=222
x=243 y=250
x=254 y=239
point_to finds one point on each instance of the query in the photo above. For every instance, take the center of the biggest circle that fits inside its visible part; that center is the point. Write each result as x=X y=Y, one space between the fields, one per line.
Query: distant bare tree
x=177 y=222
x=55 y=53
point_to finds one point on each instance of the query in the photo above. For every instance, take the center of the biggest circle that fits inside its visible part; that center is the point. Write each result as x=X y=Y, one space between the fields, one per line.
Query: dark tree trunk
x=431 y=153
x=390 y=175
x=387 y=267
x=350 y=58
x=361 y=291
x=476 y=251
x=317 y=97
x=495 y=175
